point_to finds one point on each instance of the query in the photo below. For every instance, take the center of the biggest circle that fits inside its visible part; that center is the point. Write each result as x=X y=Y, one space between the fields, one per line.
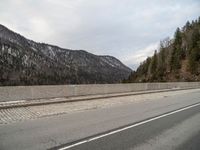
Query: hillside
x=177 y=59
x=25 y=62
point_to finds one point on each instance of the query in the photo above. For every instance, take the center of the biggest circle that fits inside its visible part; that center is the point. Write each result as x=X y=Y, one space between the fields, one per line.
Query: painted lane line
x=128 y=127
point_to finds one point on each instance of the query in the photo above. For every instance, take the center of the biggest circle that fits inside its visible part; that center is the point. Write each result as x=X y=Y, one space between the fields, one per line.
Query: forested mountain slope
x=25 y=62
x=177 y=59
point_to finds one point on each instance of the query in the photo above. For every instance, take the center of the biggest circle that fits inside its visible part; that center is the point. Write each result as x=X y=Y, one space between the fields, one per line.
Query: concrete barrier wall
x=12 y=93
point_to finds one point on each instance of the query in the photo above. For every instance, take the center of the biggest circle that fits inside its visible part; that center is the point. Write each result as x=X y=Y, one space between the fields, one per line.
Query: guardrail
x=13 y=93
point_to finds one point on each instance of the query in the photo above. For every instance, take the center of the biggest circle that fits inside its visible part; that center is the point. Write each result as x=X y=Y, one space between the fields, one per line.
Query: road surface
x=178 y=130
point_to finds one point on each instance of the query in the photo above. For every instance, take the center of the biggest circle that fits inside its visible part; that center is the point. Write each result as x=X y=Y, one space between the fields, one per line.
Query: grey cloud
x=114 y=27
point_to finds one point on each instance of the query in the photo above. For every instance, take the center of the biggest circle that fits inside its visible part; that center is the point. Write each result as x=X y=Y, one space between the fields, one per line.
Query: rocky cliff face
x=25 y=62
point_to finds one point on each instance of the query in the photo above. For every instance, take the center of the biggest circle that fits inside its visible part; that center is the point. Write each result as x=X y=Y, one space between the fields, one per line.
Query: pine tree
x=187 y=26
x=161 y=62
x=177 y=52
x=193 y=61
x=194 y=54
x=154 y=64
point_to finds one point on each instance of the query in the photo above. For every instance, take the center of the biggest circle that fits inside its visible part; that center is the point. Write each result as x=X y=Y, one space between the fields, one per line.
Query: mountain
x=25 y=62
x=177 y=59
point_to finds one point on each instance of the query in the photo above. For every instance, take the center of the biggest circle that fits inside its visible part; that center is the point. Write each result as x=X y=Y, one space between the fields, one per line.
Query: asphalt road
x=177 y=131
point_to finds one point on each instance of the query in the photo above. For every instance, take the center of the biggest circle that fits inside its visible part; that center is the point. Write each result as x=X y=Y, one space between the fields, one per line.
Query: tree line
x=177 y=59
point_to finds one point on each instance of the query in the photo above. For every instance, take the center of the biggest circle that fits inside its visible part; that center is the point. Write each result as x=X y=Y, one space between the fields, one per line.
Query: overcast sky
x=127 y=29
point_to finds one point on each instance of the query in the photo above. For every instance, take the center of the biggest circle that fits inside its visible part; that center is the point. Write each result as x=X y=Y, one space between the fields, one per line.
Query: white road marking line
x=128 y=127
